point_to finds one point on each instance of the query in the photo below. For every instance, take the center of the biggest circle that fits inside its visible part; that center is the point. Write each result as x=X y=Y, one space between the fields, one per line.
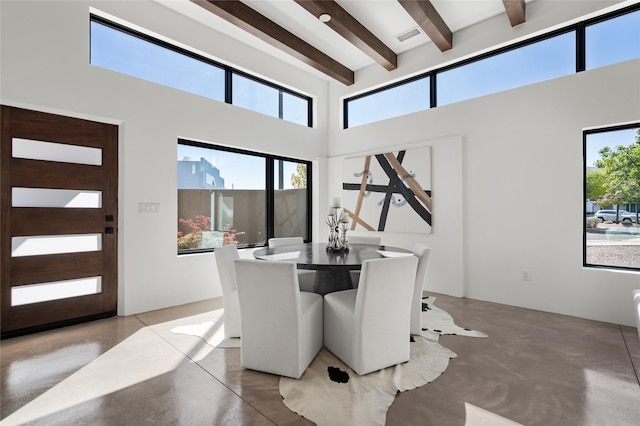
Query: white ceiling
x=384 y=18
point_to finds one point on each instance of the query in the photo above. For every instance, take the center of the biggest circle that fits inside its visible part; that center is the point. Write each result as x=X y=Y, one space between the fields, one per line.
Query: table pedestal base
x=328 y=281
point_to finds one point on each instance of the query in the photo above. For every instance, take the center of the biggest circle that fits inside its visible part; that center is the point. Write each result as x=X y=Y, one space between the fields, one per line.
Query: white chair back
x=368 y=328
x=269 y=293
x=281 y=327
x=284 y=241
x=383 y=305
x=424 y=258
x=305 y=278
x=357 y=239
x=225 y=256
x=636 y=305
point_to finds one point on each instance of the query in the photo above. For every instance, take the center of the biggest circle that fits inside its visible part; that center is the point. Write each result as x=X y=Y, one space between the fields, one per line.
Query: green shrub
x=190 y=241
x=592 y=222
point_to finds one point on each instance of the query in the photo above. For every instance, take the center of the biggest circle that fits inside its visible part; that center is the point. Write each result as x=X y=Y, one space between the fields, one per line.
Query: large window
x=130 y=52
x=544 y=60
x=613 y=40
x=127 y=54
x=600 y=41
x=405 y=98
x=230 y=196
x=612 y=197
x=252 y=94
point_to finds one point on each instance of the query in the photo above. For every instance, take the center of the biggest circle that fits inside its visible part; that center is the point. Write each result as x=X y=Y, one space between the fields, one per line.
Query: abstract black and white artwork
x=390 y=191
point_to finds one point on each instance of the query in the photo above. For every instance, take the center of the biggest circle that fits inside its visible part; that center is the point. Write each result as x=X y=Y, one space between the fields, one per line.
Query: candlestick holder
x=338 y=223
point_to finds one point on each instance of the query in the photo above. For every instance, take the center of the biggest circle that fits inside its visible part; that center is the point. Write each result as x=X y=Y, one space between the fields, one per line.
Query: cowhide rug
x=437 y=322
x=330 y=393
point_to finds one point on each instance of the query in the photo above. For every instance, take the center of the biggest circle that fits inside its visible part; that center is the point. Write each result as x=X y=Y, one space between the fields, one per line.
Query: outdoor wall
x=45 y=66
x=521 y=193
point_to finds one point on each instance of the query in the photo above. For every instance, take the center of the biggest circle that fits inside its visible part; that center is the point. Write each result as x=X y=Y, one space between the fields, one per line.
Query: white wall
x=522 y=190
x=519 y=150
x=45 y=66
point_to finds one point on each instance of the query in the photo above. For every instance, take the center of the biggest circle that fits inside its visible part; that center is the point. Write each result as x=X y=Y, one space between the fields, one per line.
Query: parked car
x=623 y=215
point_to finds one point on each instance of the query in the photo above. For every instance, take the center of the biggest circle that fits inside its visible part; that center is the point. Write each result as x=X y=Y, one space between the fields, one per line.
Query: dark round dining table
x=333 y=270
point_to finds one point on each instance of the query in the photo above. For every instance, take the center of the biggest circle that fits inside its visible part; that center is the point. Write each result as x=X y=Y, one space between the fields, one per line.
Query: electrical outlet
x=526 y=275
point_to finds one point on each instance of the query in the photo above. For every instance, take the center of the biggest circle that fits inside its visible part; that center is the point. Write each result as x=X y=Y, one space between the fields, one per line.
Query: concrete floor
x=534 y=369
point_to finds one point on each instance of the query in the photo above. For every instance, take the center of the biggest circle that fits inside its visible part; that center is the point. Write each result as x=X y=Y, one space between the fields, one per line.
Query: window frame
x=582 y=26
x=585 y=134
x=502 y=50
x=580 y=58
x=270 y=161
x=345 y=110
x=228 y=70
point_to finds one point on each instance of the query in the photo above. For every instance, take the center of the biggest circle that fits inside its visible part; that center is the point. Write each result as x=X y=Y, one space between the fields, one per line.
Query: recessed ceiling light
x=325 y=17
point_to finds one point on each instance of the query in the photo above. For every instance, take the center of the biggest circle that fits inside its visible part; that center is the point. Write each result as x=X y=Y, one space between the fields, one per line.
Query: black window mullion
x=270 y=198
x=280 y=104
x=228 y=86
x=433 y=87
x=309 y=202
x=580 y=48
x=345 y=114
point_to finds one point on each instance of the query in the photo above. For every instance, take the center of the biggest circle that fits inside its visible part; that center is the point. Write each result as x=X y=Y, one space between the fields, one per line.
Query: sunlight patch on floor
x=27 y=372
x=477 y=416
x=209 y=327
x=142 y=356
x=605 y=392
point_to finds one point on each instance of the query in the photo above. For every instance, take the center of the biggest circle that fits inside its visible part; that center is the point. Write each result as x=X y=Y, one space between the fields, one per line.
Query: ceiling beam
x=516 y=11
x=268 y=31
x=351 y=29
x=428 y=18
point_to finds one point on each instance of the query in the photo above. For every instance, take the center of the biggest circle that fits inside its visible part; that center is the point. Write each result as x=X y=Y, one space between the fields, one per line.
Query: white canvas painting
x=389 y=191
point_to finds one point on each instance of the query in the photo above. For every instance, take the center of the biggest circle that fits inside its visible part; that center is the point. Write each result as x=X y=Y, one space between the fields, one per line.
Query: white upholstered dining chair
x=362 y=239
x=636 y=305
x=225 y=256
x=281 y=325
x=305 y=277
x=423 y=253
x=283 y=241
x=368 y=328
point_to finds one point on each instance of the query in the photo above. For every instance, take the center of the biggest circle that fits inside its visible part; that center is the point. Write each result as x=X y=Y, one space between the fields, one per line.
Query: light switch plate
x=149 y=208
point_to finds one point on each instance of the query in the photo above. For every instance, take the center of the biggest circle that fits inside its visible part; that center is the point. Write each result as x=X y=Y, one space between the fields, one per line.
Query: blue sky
x=238 y=171
x=607 y=42
x=597 y=141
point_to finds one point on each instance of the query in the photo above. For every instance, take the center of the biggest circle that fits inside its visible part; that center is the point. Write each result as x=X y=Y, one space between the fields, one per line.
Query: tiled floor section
x=535 y=369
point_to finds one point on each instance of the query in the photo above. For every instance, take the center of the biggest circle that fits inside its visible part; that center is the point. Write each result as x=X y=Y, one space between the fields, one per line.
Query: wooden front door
x=59 y=215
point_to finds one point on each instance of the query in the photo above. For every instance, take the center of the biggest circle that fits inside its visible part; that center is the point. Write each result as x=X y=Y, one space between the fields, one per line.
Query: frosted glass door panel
x=42 y=292
x=49 y=151
x=64 y=198
x=55 y=244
